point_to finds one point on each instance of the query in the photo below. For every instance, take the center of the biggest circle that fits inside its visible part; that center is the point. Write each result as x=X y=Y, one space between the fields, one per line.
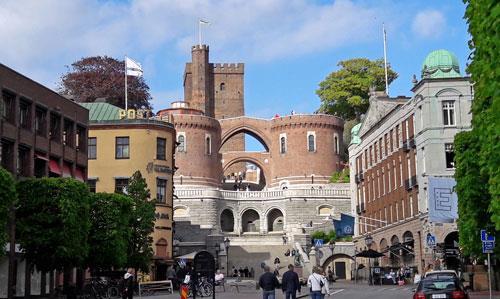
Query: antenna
x=385 y=59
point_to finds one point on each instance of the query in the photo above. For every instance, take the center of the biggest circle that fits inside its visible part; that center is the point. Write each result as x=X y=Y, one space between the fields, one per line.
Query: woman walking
x=318 y=284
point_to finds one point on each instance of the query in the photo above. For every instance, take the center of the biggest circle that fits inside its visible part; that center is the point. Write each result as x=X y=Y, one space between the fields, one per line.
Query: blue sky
x=288 y=46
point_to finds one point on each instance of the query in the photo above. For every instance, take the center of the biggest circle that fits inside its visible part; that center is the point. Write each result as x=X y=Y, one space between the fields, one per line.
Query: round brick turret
x=311 y=149
x=197 y=156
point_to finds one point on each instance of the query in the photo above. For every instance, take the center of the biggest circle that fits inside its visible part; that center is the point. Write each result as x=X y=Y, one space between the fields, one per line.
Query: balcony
x=411 y=183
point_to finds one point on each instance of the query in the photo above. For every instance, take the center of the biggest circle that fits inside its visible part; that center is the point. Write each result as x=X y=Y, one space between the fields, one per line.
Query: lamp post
x=369 y=242
x=217 y=250
x=226 y=246
x=331 y=245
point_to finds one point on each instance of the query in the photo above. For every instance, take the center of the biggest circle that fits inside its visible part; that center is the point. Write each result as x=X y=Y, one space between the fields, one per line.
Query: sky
x=288 y=46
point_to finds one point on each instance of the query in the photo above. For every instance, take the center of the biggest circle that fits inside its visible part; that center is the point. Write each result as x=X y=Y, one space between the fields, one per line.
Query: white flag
x=204 y=22
x=133 y=68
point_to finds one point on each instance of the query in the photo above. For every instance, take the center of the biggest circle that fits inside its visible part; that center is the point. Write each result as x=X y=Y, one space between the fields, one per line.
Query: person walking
x=128 y=284
x=318 y=284
x=268 y=282
x=290 y=283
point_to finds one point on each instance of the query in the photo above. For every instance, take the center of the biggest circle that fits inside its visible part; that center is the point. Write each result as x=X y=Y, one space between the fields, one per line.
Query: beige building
x=119 y=144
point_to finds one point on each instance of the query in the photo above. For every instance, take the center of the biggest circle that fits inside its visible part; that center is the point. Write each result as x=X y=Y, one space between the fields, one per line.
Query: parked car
x=440 y=287
x=441 y=273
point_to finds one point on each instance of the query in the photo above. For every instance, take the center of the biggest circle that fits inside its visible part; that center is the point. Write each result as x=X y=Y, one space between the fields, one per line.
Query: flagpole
x=199 y=33
x=126 y=100
x=385 y=59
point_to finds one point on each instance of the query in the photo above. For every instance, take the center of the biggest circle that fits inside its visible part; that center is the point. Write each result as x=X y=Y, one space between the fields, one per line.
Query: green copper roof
x=102 y=111
x=355 y=134
x=441 y=64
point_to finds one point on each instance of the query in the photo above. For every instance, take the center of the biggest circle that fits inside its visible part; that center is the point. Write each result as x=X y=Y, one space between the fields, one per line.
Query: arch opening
x=251 y=178
x=227 y=221
x=250 y=221
x=407 y=248
x=275 y=221
x=250 y=135
x=451 y=252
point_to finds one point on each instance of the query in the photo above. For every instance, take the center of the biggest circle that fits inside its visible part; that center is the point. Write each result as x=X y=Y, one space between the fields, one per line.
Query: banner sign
x=344 y=226
x=443 y=201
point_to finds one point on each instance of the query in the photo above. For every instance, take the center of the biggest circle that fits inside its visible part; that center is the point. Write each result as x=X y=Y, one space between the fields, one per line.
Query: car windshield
x=438 y=284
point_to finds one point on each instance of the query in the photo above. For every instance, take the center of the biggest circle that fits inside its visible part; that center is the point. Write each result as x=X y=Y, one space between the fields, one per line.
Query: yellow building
x=118 y=146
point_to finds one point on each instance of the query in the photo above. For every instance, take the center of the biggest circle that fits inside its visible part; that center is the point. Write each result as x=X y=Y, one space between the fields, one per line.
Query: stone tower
x=217 y=90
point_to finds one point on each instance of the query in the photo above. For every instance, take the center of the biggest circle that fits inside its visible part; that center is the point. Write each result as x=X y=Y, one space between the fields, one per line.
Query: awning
x=40 y=157
x=54 y=167
x=79 y=174
x=189 y=256
x=66 y=171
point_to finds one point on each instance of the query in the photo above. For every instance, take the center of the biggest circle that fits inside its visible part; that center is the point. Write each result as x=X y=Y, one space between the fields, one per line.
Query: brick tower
x=217 y=90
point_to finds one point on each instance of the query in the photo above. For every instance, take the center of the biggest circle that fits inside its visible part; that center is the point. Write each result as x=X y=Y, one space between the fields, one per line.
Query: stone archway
x=408 y=248
x=393 y=257
x=275 y=220
x=340 y=264
x=255 y=127
x=261 y=160
x=250 y=221
x=227 y=221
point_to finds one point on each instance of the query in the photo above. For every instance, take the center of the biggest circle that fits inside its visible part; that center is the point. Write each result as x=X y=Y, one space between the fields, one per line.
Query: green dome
x=355 y=134
x=441 y=64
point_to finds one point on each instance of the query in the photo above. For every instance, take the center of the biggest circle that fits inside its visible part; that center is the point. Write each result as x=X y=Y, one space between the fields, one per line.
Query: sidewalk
x=484 y=295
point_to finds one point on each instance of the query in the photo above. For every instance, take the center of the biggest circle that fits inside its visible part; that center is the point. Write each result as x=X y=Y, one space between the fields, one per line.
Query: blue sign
x=318 y=242
x=344 y=226
x=488 y=246
x=431 y=241
x=486 y=237
x=443 y=201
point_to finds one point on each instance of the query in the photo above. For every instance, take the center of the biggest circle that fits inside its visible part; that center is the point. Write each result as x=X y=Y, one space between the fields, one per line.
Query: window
x=81 y=135
x=161 y=190
x=411 y=206
x=181 y=142
x=91 y=183
x=40 y=121
x=23 y=161
x=55 y=127
x=311 y=143
x=336 y=144
x=9 y=101
x=448 y=113
x=208 y=145
x=92 y=148
x=68 y=133
x=121 y=185
x=7 y=155
x=122 y=148
x=450 y=155
x=25 y=114
x=161 y=148
x=222 y=86
x=282 y=143
x=392 y=141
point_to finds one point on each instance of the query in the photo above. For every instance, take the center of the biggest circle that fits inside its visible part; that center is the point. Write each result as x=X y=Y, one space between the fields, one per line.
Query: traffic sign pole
x=489 y=274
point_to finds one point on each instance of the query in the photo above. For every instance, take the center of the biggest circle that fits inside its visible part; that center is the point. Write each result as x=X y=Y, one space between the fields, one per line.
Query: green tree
x=110 y=231
x=325 y=236
x=344 y=93
x=340 y=176
x=477 y=158
x=8 y=196
x=53 y=222
x=142 y=217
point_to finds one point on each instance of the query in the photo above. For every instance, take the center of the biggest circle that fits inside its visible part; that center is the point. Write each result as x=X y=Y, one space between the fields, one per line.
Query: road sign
x=488 y=246
x=486 y=237
x=318 y=242
x=431 y=241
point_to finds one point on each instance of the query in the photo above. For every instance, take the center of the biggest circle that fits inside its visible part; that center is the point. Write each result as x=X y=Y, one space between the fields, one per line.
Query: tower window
x=208 y=145
x=311 y=143
x=450 y=155
x=448 y=113
x=336 y=143
x=161 y=148
x=282 y=143
x=161 y=190
x=181 y=143
x=222 y=86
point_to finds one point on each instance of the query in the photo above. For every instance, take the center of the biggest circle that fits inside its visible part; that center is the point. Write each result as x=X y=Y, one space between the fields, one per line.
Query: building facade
x=401 y=144
x=120 y=146
x=41 y=134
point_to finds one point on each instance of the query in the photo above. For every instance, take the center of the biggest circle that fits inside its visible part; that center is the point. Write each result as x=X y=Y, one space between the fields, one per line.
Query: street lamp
x=331 y=244
x=217 y=250
x=369 y=242
x=226 y=246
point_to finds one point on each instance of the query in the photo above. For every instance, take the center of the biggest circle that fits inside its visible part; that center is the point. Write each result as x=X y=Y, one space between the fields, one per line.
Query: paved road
x=341 y=290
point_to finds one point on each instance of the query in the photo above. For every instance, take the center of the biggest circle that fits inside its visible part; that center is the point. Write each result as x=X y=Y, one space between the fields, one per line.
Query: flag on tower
x=133 y=68
x=204 y=22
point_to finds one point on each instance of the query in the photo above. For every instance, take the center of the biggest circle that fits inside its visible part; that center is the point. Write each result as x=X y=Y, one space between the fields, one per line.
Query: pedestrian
x=128 y=284
x=318 y=284
x=252 y=272
x=235 y=272
x=246 y=271
x=417 y=277
x=171 y=276
x=268 y=283
x=290 y=283
x=241 y=272
x=330 y=274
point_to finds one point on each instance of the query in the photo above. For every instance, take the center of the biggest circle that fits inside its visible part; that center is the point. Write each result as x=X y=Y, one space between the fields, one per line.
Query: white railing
x=273 y=194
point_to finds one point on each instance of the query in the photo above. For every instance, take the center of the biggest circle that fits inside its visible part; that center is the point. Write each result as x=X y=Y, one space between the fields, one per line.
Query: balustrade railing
x=271 y=194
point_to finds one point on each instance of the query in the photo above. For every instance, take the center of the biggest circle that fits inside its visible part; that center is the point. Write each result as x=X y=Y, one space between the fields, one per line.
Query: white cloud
x=41 y=36
x=429 y=24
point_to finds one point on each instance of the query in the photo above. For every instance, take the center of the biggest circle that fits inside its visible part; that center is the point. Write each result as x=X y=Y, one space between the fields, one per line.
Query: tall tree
x=142 y=218
x=96 y=77
x=478 y=161
x=110 y=231
x=53 y=222
x=7 y=198
x=344 y=93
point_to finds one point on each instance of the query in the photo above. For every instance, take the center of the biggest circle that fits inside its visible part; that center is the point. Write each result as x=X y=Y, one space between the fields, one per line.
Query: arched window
x=283 y=144
x=181 y=140
x=311 y=143
x=222 y=86
x=208 y=145
x=161 y=248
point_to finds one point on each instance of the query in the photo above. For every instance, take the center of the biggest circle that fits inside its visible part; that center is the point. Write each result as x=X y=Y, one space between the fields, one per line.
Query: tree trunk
x=43 y=283
x=27 y=279
x=12 y=254
x=51 y=283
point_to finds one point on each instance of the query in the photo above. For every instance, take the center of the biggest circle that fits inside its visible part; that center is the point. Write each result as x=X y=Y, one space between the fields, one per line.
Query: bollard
x=184 y=291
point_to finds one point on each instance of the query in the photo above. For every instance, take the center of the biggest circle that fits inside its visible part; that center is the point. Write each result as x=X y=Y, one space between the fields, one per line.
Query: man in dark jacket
x=268 y=282
x=128 y=284
x=290 y=283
